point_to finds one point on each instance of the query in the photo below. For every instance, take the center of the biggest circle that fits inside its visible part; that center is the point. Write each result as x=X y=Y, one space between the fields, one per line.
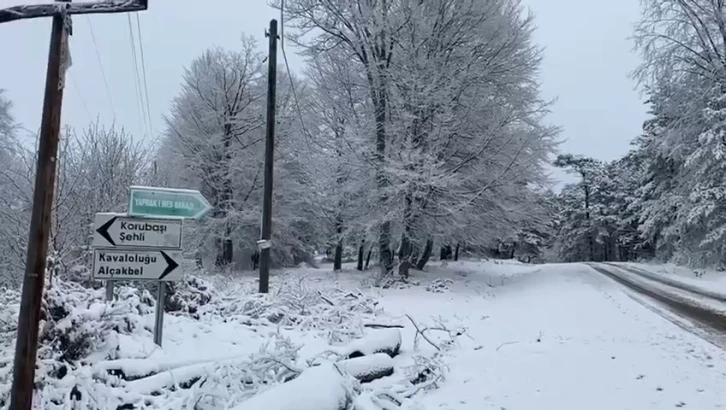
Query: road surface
x=699 y=310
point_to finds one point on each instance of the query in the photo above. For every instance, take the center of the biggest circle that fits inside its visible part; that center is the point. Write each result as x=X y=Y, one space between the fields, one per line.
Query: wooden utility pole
x=26 y=345
x=269 y=160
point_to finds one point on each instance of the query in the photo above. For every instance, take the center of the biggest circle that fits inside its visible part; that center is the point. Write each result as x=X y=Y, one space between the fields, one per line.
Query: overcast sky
x=587 y=59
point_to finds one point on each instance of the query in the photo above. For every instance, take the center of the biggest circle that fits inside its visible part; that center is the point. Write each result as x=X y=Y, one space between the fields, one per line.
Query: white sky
x=587 y=59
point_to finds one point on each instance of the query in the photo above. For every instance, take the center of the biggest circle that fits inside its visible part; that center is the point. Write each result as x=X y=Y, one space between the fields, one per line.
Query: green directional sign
x=167 y=202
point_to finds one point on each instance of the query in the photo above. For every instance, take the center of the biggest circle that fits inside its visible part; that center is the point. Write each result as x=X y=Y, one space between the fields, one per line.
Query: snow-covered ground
x=563 y=337
x=499 y=335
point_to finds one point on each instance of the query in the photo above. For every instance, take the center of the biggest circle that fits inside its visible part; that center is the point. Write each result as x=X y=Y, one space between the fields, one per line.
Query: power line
x=100 y=64
x=137 y=82
x=294 y=92
x=143 y=68
x=80 y=97
x=287 y=67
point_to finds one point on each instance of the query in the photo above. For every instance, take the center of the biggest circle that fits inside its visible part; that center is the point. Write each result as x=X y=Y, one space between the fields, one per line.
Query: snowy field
x=497 y=336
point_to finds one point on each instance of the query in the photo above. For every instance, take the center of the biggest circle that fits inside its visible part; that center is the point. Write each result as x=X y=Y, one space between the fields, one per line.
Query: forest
x=416 y=130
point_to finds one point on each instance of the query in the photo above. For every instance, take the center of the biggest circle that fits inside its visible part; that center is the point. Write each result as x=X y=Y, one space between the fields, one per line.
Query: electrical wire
x=100 y=64
x=309 y=136
x=143 y=68
x=287 y=68
x=80 y=96
x=137 y=81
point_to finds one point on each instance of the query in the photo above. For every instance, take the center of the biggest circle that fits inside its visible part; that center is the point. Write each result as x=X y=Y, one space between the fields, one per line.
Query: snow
x=318 y=388
x=366 y=365
x=563 y=337
x=378 y=341
x=502 y=335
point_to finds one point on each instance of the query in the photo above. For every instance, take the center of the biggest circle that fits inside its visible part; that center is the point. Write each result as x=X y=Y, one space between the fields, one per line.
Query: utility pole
x=26 y=345
x=269 y=160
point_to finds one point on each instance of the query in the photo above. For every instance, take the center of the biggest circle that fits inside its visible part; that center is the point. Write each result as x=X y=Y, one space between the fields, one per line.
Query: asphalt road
x=712 y=322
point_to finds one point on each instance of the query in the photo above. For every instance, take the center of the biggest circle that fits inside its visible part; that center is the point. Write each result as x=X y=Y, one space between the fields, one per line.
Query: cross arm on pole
x=49 y=10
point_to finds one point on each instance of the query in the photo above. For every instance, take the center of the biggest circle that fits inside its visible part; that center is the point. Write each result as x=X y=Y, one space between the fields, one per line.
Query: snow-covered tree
x=581 y=223
x=684 y=74
x=215 y=143
x=215 y=130
x=447 y=113
x=96 y=166
x=14 y=215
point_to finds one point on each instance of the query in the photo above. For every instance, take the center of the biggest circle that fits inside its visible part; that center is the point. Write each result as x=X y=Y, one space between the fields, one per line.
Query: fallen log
x=386 y=341
x=367 y=368
x=321 y=387
x=383 y=325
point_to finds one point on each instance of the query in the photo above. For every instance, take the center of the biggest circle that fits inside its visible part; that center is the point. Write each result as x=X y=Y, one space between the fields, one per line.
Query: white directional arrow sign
x=119 y=230
x=119 y=264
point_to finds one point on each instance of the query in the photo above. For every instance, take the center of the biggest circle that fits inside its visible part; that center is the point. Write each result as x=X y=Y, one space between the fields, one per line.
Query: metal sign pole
x=159 y=320
x=109 y=290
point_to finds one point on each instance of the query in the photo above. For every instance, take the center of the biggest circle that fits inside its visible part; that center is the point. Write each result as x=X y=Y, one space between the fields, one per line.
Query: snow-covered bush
x=439 y=285
x=93 y=354
x=188 y=295
x=339 y=315
x=77 y=327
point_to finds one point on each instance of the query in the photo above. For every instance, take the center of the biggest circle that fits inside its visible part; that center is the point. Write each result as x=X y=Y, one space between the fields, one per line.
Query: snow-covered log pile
x=386 y=341
x=322 y=387
x=367 y=368
x=96 y=355
x=341 y=380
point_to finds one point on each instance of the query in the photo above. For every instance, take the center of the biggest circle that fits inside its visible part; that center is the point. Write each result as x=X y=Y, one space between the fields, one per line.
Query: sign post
x=145 y=243
x=159 y=314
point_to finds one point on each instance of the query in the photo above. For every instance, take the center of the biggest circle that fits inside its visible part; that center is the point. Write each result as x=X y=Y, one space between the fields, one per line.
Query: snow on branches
x=95 y=354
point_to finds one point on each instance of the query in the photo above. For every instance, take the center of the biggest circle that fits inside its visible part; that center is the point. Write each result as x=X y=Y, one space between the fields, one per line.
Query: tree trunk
x=368 y=258
x=404 y=256
x=198 y=259
x=446 y=253
x=255 y=260
x=380 y=102
x=338 y=260
x=385 y=256
x=415 y=253
x=456 y=253
x=226 y=251
x=589 y=224
x=426 y=254
x=360 y=256
x=340 y=180
x=228 y=254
